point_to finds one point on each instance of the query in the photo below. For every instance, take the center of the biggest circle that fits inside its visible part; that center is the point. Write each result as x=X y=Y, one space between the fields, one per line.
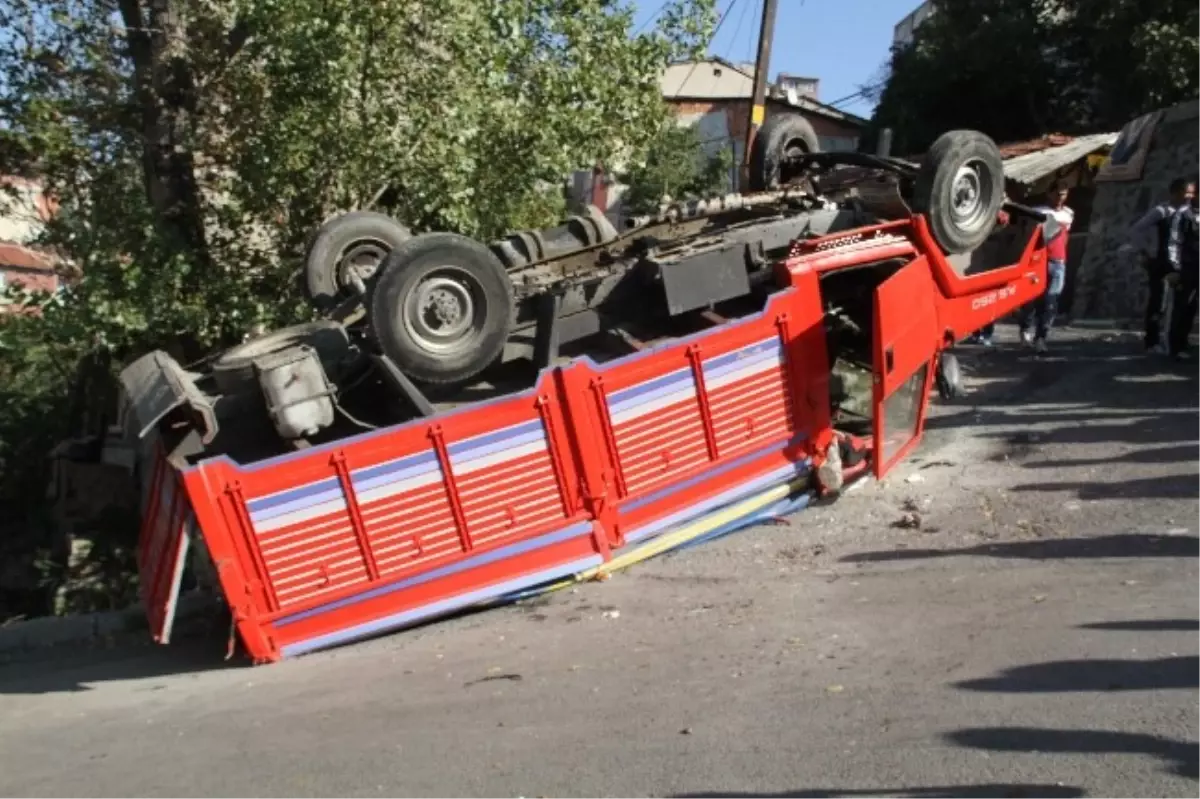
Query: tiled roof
x=1014 y=149
x=21 y=257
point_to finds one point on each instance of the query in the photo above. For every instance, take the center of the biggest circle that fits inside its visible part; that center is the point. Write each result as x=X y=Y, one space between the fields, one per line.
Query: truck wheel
x=781 y=138
x=353 y=243
x=441 y=307
x=960 y=189
x=233 y=370
x=949 y=377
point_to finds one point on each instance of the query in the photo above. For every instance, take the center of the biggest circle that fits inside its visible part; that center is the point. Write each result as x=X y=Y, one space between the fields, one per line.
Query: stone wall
x=1109 y=286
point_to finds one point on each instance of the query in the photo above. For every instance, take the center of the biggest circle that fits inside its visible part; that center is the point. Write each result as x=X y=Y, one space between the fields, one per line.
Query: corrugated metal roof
x=1035 y=164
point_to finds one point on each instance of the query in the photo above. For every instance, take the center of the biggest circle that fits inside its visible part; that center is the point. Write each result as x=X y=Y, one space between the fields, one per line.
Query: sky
x=842 y=42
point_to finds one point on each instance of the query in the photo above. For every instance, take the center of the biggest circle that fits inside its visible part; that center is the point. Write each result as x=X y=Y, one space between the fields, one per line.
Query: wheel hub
x=440 y=313
x=361 y=259
x=968 y=194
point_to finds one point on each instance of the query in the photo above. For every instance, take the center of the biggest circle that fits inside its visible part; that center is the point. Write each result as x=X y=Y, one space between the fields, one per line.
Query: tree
x=676 y=165
x=192 y=146
x=1017 y=69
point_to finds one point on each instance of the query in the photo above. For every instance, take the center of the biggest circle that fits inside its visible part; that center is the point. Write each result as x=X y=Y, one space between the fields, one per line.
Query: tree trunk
x=165 y=93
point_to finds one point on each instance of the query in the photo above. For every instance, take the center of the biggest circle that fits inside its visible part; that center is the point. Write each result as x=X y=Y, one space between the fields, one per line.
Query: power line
x=733 y=40
x=645 y=24
x=708 y=44
x=862 y=92
x=750 y=40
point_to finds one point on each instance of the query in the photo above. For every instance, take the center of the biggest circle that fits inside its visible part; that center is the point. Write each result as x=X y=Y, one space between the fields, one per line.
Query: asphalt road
x=1013 y=613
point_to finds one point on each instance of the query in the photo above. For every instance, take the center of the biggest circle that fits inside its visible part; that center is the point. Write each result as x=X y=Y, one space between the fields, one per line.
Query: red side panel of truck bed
x=162 y=544
x=391 y=527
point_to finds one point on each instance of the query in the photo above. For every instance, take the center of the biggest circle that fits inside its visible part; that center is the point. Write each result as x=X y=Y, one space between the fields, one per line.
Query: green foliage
x=1020 y=68
x=679 y=166
x=192 y=146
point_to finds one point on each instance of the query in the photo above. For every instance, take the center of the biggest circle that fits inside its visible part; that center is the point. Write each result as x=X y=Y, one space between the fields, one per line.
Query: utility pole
x=758 y=108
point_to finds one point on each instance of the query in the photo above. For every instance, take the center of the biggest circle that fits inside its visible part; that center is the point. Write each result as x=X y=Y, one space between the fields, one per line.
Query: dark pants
x=1156 y=306
x=1183 y=313
x=1041 y=312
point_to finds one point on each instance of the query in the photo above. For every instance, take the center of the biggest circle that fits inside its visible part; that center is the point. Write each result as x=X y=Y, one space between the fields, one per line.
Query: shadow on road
x=1177 y=486
x=76 y=670
x=1145 y=625
x=1183 y=453
x=1126 y=545
x=1181 y=755
x=1008 y=375
x=967 y=791
x=1092 y=675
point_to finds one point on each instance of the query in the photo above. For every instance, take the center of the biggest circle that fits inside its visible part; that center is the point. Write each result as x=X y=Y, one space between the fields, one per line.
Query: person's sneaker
x=1039 y=346
x=1026 y=338
x=1156 y=349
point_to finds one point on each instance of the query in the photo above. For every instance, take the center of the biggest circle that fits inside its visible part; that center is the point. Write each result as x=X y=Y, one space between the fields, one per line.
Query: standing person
x=1158 y=219
x=985 y=335
x=1037 y=317
x=1183 y=260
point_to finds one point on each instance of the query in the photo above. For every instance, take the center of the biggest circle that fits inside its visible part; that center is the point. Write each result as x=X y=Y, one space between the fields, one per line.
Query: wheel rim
x=787 y=166
x=969 y=193
x=361 y=259
x=443 y=313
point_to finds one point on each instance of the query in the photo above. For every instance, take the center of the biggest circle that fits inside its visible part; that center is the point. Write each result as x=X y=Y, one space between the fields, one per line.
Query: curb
x=89 y=628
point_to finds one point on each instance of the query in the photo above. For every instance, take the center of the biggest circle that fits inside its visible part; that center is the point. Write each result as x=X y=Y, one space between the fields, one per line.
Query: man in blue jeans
x=1037 y=317
x=985 y=335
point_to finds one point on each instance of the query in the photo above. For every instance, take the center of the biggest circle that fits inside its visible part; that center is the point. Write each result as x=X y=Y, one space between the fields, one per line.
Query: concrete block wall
x=1108 y=285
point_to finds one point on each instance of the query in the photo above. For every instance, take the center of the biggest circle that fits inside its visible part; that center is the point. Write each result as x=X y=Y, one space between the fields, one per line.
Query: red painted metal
x=245 y=532
x=356 y=519
x=162 y=547
x=710 y=438
x=385 y=529
x=547 y=408
x=604 y=422
x=456 y=507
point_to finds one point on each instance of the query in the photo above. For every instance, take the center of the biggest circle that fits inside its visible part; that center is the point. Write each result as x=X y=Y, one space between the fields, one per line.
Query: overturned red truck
x=476 y=423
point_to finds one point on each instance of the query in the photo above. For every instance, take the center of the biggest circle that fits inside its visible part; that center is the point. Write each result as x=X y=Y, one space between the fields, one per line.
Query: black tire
x=441 y=308
x=233 y=370
x=781 y=137
x=949 y=377
x=359 y=240
x=960 y=189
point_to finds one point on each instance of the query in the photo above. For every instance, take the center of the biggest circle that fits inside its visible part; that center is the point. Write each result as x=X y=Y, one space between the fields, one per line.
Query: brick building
x=714 y=96
x=23 y=215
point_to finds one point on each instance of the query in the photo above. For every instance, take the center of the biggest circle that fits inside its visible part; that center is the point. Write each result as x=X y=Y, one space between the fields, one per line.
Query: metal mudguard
x=155 y=385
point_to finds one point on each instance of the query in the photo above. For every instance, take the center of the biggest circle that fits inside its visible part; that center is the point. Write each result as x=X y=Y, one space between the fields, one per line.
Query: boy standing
x=1183 y=262
x=1037 y=317
x=1182 y=191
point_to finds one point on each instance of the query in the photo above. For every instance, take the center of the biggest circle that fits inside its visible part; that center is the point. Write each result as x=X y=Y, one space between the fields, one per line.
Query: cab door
x=905 y=346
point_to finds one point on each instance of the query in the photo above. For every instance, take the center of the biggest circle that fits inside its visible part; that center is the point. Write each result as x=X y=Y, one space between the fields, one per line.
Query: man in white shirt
x=1037 y=317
